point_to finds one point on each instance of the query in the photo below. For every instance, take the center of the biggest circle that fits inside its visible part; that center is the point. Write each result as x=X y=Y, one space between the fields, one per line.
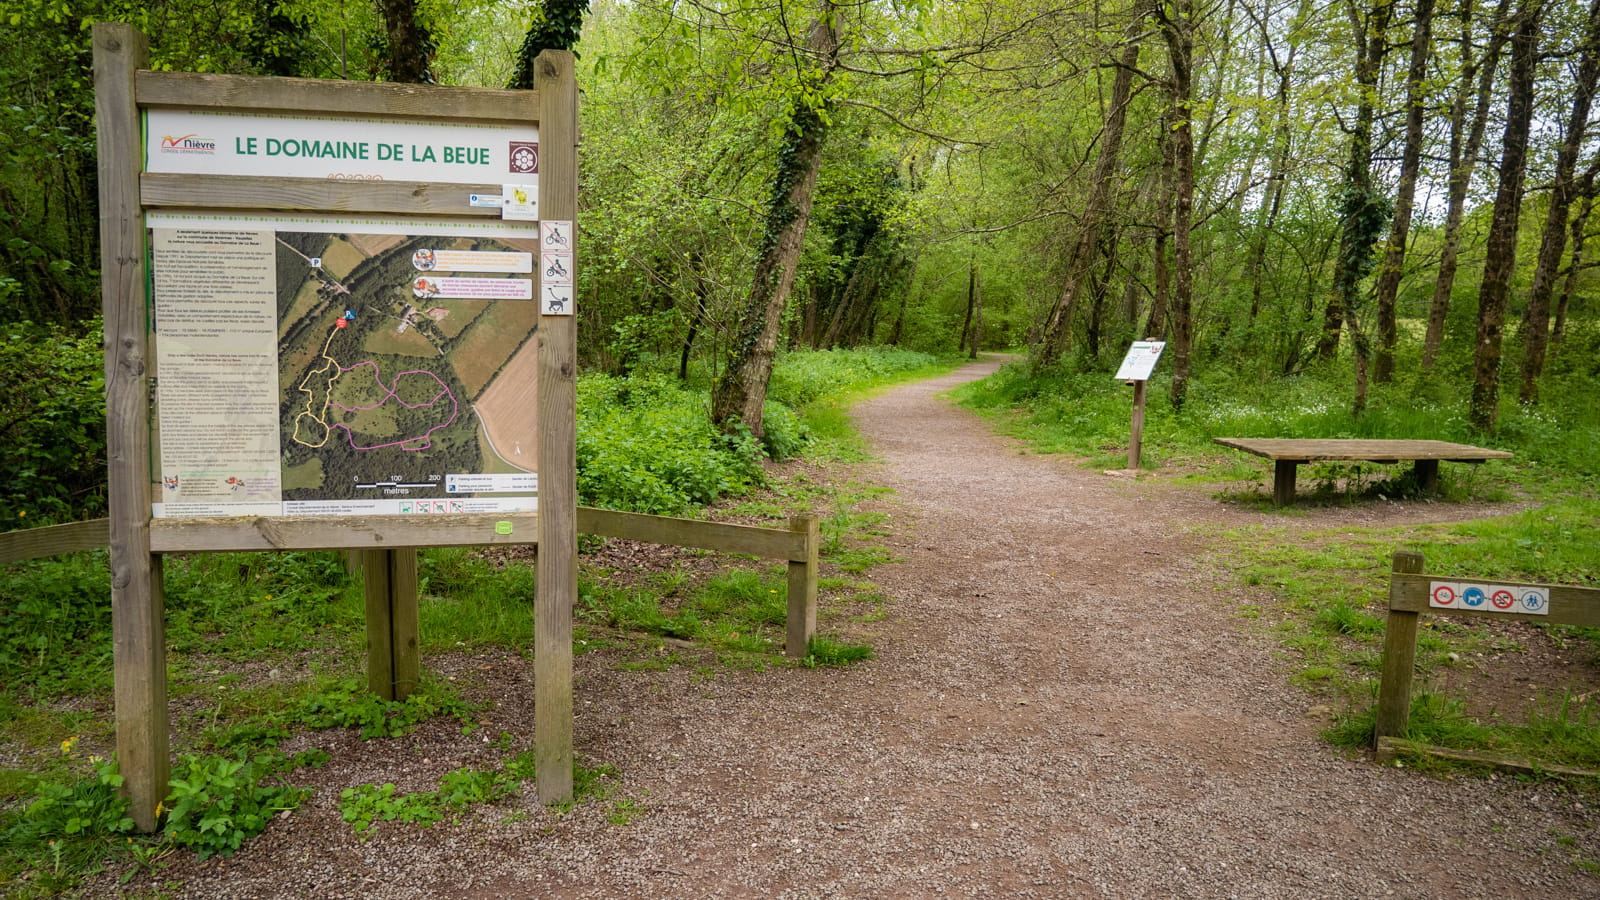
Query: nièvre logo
x=187 y=143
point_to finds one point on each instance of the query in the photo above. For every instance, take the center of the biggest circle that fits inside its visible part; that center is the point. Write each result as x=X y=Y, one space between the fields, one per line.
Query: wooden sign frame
x=123 y=89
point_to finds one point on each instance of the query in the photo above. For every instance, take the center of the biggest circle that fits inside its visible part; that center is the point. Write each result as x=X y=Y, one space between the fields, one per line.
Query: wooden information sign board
x=324 y=329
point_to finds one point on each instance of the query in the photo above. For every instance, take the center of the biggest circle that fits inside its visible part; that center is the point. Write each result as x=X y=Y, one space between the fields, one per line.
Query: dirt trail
x=1062 y=706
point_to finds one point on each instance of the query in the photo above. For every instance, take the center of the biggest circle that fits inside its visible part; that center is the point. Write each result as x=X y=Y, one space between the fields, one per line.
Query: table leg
x=1428 y=475
x=1283 y=472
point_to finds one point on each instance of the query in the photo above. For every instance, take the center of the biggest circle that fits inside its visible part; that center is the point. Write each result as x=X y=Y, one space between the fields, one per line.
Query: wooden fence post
x=802 y=618
x=1399 y=659
x=138 y=633
x=558 y=481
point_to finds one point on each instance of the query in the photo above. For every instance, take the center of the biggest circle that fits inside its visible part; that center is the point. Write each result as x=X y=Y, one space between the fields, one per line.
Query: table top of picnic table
x=1370 y=450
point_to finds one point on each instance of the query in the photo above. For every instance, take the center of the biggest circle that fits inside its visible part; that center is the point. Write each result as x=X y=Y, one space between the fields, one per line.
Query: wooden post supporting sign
x=138 y=635
x=558 y=486
x=1136 y=368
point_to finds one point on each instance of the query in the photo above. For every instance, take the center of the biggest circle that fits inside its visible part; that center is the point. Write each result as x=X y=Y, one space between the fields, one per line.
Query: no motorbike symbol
x=1502 y=598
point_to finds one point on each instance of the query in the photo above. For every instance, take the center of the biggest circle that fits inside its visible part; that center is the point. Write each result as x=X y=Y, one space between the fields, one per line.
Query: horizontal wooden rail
x=51 y=540
x=368 y=532
x=342 y=532
x=205 y=192
x=745 y=539
x=299 y=96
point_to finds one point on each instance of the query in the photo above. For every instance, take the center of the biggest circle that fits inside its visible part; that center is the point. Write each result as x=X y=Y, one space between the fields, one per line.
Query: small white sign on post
x=1136 y=367
x=1140 y=361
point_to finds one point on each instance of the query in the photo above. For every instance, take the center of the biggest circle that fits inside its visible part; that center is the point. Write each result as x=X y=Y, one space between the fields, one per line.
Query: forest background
x=1388 y=202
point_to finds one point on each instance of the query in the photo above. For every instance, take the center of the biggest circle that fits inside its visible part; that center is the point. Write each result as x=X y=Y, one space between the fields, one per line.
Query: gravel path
x=1062 y=705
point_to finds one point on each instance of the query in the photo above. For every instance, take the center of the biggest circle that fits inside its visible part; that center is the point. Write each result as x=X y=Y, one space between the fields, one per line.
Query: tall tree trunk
x=1580 y=222
x=1157 y=325
x=740 y=394
x=1466 y=139
x=1500 y=250
x=1388 y=287
x=1362 y=211
x=1536 y=316
x=972 y=295
x=1277 y=169
x=409 y=55
x=1081 y=256
x=977 y=306
x=1177 y=29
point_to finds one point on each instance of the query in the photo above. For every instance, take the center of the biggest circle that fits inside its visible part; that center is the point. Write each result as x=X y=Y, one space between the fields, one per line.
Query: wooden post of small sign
x=558 y=484
x=139 y=656
x=1136 y=433
x=1399 y=659
x=1136 y=369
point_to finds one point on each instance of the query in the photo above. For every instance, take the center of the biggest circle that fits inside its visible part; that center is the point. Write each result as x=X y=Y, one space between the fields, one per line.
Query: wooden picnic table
x=1288 y=453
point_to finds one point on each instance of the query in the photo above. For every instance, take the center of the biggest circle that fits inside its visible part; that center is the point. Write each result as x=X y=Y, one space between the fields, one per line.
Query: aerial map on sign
x=405 y=372
x=386 y=349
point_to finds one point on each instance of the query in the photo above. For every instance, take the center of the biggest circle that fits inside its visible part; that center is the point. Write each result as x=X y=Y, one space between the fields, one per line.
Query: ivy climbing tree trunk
x=1177 y=21
x=1500 y=250
x=1536 y=315
x=1362 y=211
x=556 y=25
x=740 y=393
x=1410 y=164
x=408 y=56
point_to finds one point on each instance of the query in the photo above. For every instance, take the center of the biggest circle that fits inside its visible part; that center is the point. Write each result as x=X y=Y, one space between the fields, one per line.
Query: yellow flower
x=160 y=808
x=67 y=745
x=22 y=514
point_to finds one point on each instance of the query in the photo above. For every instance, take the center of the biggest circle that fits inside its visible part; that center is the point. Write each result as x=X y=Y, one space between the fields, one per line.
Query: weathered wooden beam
x=558 y=481
x=748 y=540
x=302 y=96
x=412 y=198
x=342 y=532
x=1399 y=659
x=51 y=540
x=375 y=571
x=138 y=636
x=1389 y=749
x=802 y=613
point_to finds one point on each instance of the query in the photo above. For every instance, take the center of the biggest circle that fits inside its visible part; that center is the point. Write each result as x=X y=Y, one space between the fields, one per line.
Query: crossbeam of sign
x=1506 y=598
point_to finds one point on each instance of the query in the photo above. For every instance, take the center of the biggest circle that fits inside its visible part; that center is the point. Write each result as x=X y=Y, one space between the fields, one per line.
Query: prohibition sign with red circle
x=1502 y=599
x=1444 y=595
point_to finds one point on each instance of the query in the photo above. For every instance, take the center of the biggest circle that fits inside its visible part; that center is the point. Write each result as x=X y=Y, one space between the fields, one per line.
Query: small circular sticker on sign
x=502 y=528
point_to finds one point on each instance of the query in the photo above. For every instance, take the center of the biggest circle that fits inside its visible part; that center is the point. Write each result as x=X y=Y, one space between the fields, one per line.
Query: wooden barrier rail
x=1411 y=593
x=376 y=535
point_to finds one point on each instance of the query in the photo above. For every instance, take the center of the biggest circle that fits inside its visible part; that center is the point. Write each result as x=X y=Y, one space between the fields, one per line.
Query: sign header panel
x=1140 y=361
x=184 y=142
